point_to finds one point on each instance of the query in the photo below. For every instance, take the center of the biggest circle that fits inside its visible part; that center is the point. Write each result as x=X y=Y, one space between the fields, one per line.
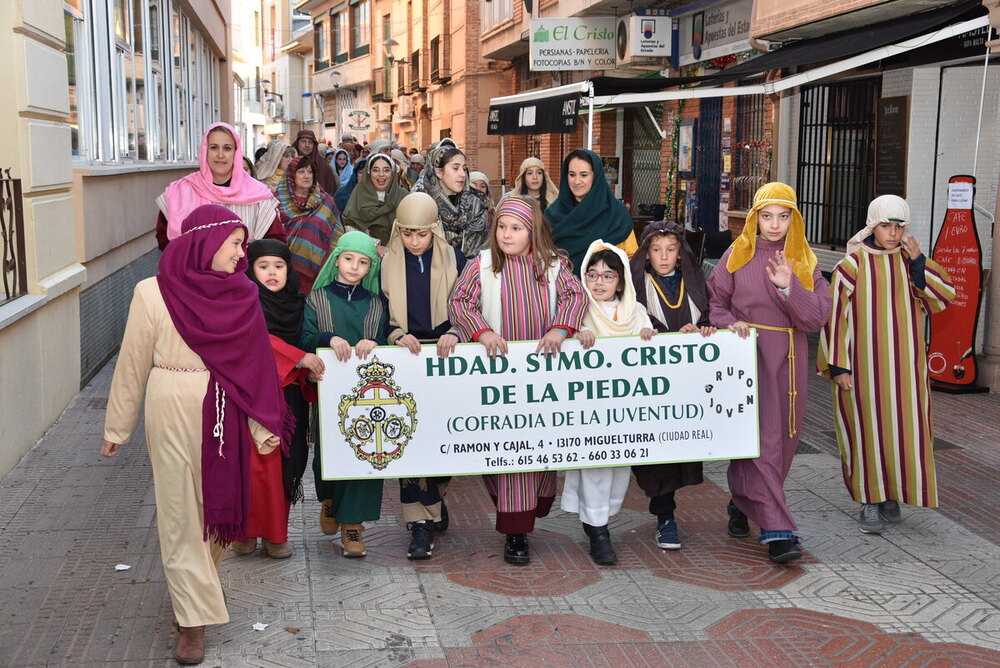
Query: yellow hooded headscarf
x=796 y=246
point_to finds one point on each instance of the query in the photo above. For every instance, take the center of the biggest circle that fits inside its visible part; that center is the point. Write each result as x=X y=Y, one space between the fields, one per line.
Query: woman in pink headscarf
x=216 y=182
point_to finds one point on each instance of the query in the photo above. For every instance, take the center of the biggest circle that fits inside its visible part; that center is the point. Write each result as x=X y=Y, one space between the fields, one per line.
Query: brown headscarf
x=694 y=279
x=325 y=175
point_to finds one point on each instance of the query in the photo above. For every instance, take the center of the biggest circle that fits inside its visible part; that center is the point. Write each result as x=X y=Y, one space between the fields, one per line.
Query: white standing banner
x=678 y=397
x=579 y=43
x=358 y=121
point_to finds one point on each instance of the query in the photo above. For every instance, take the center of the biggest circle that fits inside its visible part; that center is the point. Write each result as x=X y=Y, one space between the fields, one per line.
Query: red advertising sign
x=952 y=352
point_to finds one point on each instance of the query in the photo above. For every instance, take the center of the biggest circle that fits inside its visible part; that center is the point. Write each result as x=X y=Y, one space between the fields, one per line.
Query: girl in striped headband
x=521 y=288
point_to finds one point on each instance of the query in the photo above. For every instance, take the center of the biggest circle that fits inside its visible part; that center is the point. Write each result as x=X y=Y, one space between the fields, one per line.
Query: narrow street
x=925 y=592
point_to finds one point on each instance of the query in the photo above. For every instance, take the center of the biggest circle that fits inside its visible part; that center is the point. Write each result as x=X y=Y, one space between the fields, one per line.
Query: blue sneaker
x=667 y=537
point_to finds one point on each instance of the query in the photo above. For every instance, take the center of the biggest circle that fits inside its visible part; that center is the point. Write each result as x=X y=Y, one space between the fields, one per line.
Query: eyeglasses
x=608 y=277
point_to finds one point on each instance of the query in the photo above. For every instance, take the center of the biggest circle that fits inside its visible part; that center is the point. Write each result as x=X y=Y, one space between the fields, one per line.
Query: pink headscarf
x=186 y=194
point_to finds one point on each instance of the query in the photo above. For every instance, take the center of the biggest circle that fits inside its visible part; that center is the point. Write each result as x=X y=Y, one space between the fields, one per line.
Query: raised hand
x=779 y=270
x=910 y=246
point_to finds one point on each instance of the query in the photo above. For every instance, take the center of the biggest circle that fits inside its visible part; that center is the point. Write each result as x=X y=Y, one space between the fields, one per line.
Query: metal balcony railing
x=15 y=271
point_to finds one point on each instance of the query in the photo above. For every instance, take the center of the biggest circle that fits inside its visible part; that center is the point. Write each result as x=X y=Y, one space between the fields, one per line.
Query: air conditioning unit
x=404 y=107
x=383 y=111
x=279 y=110
x=291 y=115
x=643 y=42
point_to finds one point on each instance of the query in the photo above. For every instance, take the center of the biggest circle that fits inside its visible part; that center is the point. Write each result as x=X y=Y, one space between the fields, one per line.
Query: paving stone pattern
x=924 y=593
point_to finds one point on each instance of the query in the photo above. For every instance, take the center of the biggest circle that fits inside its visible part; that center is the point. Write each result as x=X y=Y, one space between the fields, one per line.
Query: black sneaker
x=739 y=525
x=423 y=540
x=889 y=511
x=442 y=526
x=780 y=551
x=515 y=551
x=869 y=519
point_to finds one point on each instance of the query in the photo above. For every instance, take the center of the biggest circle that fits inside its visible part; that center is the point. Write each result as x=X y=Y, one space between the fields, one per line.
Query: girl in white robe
x=597 y=494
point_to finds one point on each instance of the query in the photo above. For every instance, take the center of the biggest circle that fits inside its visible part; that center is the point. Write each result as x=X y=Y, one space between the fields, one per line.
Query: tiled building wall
x=104 y=310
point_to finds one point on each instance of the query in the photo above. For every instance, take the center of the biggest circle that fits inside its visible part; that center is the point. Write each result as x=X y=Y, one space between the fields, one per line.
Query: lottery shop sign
x=676 y=398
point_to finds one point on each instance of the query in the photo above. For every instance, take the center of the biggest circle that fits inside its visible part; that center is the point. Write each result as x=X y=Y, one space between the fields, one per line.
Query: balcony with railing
x=382 y=90
x=418 y=79
x=441 y=59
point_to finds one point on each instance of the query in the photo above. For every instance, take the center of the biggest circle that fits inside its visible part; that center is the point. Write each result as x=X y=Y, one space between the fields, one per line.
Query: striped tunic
x=876 y=331
x=524 y=307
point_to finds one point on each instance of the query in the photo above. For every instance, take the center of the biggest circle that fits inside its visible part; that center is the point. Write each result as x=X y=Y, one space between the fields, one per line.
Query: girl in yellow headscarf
x=768 y=281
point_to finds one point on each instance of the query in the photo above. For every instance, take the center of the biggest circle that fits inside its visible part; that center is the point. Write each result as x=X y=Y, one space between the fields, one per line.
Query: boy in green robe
x=345 y=309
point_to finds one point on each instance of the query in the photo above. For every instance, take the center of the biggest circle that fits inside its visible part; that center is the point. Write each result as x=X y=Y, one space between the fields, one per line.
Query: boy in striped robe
x=874 y=350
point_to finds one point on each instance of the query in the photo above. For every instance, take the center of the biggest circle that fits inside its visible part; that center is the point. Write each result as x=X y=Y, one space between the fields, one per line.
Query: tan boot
x=278 y=550
x=327 y=522
x=190 y=645
x=351 y=535
x=248 y=546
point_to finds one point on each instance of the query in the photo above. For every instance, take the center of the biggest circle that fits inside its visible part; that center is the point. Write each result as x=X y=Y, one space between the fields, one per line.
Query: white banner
x=358 y=121
x=678 y=397
x=572 y=44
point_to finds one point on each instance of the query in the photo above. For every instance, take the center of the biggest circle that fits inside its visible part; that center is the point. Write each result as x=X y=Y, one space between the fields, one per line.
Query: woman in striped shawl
x=874 y=350
x=520 y=288
x=343 y=310
x=311 y=219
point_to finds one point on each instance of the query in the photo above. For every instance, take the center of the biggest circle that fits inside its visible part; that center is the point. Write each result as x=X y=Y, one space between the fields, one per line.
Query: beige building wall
x=39 y=332
x=88 y=223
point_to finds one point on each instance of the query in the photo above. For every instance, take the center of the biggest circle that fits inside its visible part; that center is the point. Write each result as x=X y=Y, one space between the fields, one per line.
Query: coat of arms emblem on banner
x=377 y=419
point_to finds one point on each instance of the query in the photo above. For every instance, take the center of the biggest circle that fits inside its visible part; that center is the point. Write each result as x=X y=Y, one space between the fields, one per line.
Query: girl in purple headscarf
x=197 y=346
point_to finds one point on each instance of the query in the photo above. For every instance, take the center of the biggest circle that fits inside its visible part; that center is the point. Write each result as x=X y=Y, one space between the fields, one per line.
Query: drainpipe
x=989 y=363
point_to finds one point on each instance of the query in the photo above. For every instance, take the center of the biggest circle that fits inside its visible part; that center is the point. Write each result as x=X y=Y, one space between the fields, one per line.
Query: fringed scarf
x=219 y=317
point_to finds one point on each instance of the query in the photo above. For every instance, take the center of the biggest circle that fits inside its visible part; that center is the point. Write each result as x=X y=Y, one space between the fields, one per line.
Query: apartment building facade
x=106 y=105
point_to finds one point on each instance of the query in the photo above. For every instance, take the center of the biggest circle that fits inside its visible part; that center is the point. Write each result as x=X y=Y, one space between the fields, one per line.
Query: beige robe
x=173 y=436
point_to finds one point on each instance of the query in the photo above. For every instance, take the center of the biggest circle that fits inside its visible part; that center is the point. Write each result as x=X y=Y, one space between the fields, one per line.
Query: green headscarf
x=353 y=242
x=365 y=211
x=576 y=225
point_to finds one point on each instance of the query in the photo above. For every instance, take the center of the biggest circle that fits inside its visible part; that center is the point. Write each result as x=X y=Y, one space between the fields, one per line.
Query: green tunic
x=353 y=501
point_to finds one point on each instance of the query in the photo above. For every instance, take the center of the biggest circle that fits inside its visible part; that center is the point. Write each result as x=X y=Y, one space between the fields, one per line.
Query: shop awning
x=809 y=76
x=548 y=110
x=552 y=110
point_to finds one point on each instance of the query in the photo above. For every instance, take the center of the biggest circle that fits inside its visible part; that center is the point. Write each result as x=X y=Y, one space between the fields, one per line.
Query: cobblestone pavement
x=925 y=592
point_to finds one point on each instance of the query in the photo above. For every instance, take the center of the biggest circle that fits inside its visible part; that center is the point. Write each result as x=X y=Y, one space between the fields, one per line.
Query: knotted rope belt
x=220 y=403
x=792 y=392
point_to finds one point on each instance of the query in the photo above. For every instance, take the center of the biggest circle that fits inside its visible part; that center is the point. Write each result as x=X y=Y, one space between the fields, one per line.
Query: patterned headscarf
x=519 y=208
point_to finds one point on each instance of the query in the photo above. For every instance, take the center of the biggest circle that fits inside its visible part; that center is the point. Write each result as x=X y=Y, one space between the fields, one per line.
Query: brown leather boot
x=278 y=550
x=248 y=546
x=351 y=535
x=190 y=645
x=327 y=522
